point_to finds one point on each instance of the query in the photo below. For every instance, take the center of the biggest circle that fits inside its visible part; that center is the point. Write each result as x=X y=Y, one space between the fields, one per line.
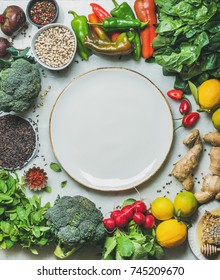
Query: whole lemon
x=171 y=233
x=162 y=208
x=186 y=203
x=216 y=119
x=209 y=94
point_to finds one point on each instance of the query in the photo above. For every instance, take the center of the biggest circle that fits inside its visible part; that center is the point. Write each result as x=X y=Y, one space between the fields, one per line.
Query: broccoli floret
x=19 y=86
x=74 y=222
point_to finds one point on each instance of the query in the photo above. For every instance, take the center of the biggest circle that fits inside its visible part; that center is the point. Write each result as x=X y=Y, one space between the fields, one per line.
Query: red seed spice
x=43 y=12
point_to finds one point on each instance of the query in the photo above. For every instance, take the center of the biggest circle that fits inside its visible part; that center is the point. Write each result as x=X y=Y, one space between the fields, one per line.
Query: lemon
x=186 y=203
x=216 y=119
x=209 y=94
x=162 y=208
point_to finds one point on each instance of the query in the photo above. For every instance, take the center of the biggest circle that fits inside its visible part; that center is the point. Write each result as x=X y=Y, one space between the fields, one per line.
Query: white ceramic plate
x=111 y=129
x=193 y=237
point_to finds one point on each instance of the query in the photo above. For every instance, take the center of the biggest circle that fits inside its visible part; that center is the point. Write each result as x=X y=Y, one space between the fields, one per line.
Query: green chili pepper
x=125 y=11
x=122 y=11
x=81 y=28
x=112 y=24
x=121 y=46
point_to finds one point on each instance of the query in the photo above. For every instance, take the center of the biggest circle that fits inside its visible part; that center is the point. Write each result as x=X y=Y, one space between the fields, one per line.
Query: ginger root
x=211 y=184
x=210 y=189
x=215 y=160
x=184 y=168
x=214 y=139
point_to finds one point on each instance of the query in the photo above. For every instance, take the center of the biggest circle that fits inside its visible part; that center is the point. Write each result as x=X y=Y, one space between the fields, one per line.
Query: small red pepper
x=101 y=13
x=175 y=94
x=184 y=107
x=190 y=119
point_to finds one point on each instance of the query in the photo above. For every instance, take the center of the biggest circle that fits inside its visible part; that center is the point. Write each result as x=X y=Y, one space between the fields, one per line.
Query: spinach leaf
x=188 y=40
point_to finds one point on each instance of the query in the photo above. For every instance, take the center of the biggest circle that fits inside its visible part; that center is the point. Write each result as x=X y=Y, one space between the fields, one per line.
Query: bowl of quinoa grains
x=54 y=46
x=18 y=142
x=42 y=12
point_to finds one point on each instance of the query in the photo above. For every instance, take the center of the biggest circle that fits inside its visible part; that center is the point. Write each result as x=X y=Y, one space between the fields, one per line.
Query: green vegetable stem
x=80 y=27
x=112 y=24
x=124 y=11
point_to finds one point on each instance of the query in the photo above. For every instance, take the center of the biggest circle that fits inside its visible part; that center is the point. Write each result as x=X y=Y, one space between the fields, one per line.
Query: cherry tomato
x=139 y=218
x=109 y=224
x=149 y=221
x=139 y=206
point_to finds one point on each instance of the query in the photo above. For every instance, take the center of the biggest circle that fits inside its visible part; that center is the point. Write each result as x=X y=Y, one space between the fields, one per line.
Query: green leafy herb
x=132 y=243
x=63 y=184
x=23 y=219
x=188 y=40
x=55 y=167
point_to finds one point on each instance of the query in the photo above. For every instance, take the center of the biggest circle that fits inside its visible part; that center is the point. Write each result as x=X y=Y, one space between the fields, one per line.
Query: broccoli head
x=19 y=86
x=74 y=222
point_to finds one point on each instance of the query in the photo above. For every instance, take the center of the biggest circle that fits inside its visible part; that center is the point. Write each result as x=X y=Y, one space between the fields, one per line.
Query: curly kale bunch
x=20 y=85
x=74 y=222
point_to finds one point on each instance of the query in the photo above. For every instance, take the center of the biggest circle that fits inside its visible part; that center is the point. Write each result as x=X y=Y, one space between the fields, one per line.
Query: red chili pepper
x=101 y=13
x=146 y=11
x=175 y=94
x=190 y=119
x=184 y=107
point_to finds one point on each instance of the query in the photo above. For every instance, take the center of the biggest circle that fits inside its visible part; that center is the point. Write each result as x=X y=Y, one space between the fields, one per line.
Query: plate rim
x=192 y=232
x=112 y=189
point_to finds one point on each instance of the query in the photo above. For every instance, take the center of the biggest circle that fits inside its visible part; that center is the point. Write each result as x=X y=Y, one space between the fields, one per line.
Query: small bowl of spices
x=42 y=12
x=54 y=46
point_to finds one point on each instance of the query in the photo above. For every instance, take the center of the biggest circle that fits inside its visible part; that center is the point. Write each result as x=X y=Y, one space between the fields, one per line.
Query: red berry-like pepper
x=175 y=94
x=184 y=107
x=190 y=119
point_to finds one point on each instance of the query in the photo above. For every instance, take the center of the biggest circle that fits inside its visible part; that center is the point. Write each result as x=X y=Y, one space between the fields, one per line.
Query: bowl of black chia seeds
x=54 y=46
x=18 y=142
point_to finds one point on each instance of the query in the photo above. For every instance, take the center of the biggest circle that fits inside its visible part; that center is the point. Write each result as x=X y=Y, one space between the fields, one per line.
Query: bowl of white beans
x=54 y=46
